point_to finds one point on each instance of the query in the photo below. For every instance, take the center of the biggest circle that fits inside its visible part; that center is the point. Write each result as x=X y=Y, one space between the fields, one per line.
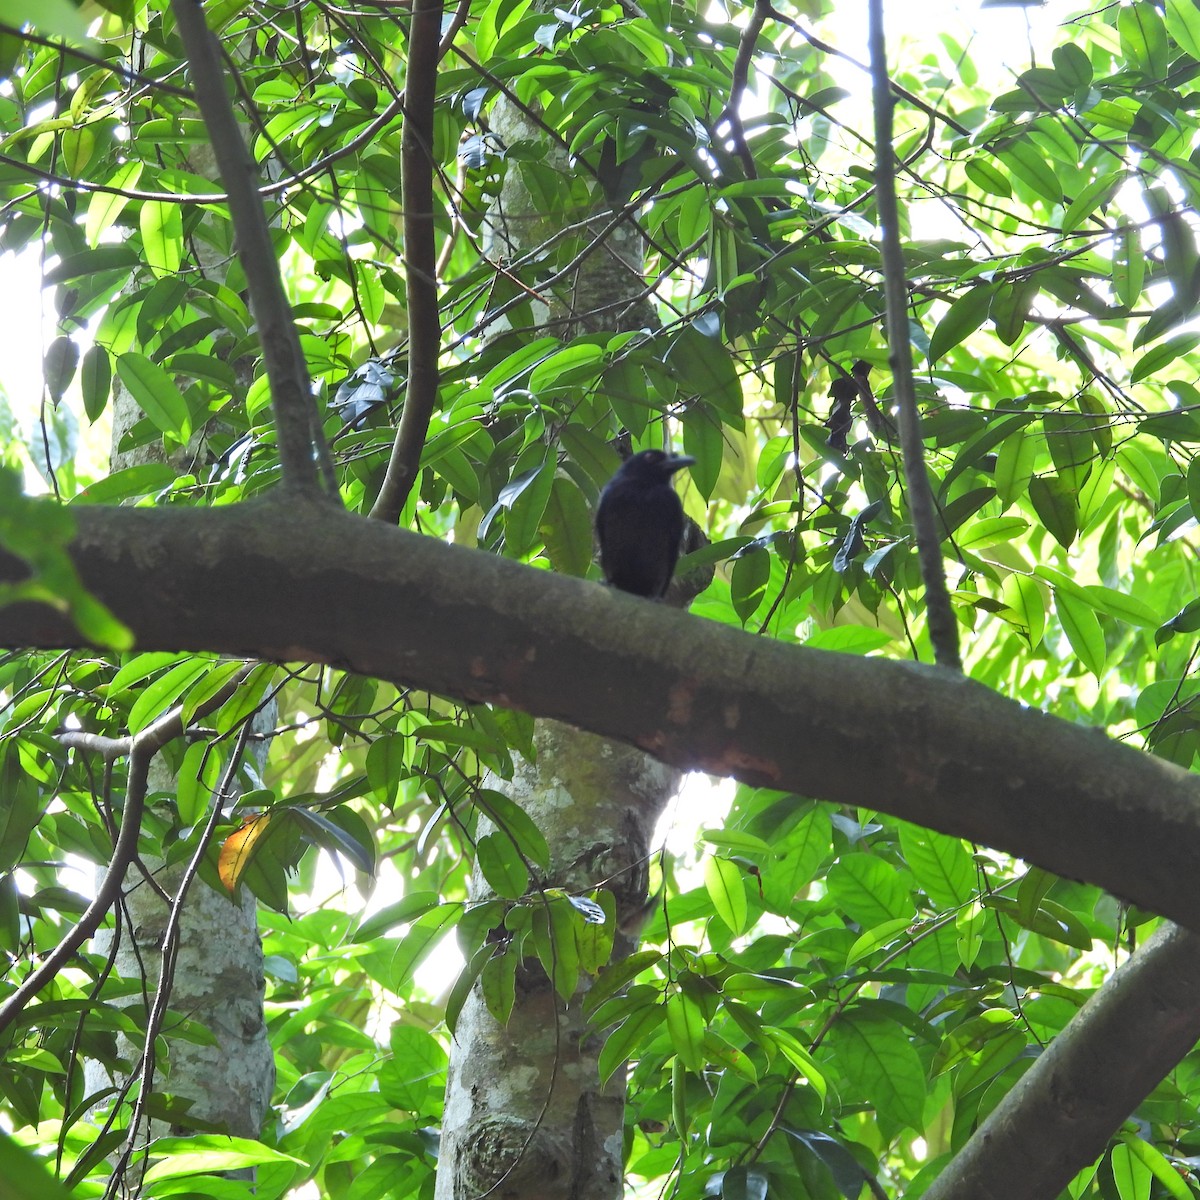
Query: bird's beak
x=678 y=462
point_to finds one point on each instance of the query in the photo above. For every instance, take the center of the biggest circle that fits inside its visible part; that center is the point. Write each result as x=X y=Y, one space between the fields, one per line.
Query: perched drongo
x=639 y=523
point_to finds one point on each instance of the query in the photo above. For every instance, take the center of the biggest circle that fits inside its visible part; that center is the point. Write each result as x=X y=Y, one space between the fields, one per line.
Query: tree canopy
x=505 y=244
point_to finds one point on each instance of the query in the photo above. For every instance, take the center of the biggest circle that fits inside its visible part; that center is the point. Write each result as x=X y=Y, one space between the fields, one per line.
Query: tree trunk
x=526 y=1115
x=217 y=974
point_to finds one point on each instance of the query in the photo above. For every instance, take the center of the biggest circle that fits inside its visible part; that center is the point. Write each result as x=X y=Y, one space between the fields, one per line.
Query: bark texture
x=525 y=1113
x=218 y=975
x=295 y=582
x=526 y=1116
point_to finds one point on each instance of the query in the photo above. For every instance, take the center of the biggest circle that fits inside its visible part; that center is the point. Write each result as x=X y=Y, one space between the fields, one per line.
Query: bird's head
x=654 y=465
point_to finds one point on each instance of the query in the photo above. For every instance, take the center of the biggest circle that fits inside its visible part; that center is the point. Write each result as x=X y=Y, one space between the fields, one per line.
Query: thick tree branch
x=306 y=582
x=303 y=452
x=943 y=629
x=420 y=261
x=1059 y=1117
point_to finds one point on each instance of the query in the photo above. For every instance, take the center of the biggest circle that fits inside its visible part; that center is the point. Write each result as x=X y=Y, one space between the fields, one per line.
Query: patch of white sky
x=999 y=40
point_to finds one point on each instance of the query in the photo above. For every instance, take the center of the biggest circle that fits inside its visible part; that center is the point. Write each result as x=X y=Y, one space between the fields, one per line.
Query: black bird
x=844 y=391
x=639 y=523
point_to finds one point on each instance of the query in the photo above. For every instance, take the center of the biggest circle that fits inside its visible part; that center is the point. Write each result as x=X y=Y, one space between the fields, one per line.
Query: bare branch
x=303 y=453
x=420 y=261
x=943 y=628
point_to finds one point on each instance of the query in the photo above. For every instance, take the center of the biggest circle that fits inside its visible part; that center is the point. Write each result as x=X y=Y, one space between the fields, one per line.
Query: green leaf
x=990 y=531
x=727 y=891
x=526 y=503
x=572 y=364
x=1143 y=39
x=876 y=1055
x=704 y=441
x=1071 y=447
x=156 y=394
x=791 y=1048
x=1024 y=597
x=62 y=357
x=20 y=810
x=717 y=1050
x=613 y=978
x=1083 y=630
x=55 y=17
x=1057 y=507
x=157 y=697
x=598 y=459
x=1122 y=606
x=594 y=937
x=1092 y=199
x=498 y=984
x=1072 y=65
x=1029 y=165
x=140 y=480
x=879 y=937
x=205 y=1153
x=387 y=764
x=941 y=864
x=415 y=904
x=26 y=1175
x=706 y=370
x=162 y=237
x=140 y=667
x=93 y=262
x=1015 y=464
x=95 y=381
x=218 y=676
x=197 y=779
x=516 y=824
x=555 y=935
x=685 y=1025
x=748 y=582
x=1131 y=1176
x=1010 y=308
x=566 y=528
x=1150 y=1157
x=501 y=865
x=462 y=986
x=990 y=180
x=423 y=935
x=630 y=1036
x=1153 y=361
x=1183 y=24
x=961 y=319
x=868 y=890
x=105 y=207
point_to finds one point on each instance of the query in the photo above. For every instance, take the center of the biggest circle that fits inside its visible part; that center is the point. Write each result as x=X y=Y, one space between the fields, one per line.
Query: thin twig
x=420 y=261
x=943 y=629
x=303 y=453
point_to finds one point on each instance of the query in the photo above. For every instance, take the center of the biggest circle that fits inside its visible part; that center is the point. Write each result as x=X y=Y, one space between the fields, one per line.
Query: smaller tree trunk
x=526 y=1117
